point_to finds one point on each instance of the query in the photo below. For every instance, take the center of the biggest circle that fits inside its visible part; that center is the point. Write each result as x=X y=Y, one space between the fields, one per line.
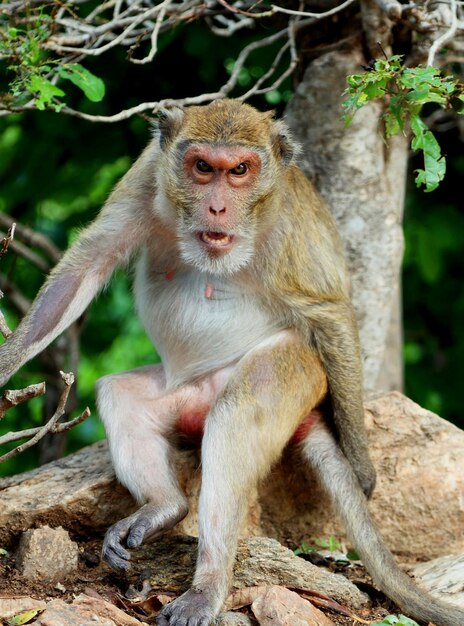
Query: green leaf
x=3 y=552
x=434 y=163
x=352 y=555
x=23 y=618
x=334 y=544
x=400 y=620
x=45 y=91
x=91 y=85
x=304 y=548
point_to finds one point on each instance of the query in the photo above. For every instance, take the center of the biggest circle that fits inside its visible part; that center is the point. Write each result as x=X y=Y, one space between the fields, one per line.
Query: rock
x=46 y=554
x=281 y=607
x=417 y=504
x=263 y=561
x=233 y=619
x=260 y=561
x=9 y=607
x=443 y=577
x=85 y=611
x=79 y=491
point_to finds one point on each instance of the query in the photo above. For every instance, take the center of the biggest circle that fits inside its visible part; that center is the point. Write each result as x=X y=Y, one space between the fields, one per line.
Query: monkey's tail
x=339 y=480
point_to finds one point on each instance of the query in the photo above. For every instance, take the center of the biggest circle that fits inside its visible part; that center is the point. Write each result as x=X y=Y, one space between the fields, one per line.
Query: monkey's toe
x=193 y=608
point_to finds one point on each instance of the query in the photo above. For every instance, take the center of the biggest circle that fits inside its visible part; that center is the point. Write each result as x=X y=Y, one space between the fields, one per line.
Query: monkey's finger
x=115 y=560
x=113 y=552
x=137 y=532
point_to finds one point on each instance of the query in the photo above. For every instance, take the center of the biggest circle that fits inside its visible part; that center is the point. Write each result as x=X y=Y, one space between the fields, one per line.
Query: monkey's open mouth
x=216 y=241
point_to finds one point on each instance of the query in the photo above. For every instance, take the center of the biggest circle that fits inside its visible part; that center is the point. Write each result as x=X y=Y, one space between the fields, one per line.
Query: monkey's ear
x=285 y=147
x=168 y=124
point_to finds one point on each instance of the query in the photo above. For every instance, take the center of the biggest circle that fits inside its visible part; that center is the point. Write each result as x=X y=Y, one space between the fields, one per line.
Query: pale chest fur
x=198 y=322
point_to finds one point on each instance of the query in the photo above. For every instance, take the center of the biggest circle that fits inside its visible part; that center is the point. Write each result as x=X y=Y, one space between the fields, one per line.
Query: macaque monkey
x=242 y=286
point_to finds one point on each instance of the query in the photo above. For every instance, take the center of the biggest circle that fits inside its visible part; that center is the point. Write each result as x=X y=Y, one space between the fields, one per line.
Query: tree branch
x=32 y=238
x=128 y=23
x=6 y=241
x=51 y=426
x=13 y=397
x=446 y=36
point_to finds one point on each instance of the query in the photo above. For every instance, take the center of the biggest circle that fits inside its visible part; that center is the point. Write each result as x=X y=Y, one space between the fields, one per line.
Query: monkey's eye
x=239 y=170
x=203 y=167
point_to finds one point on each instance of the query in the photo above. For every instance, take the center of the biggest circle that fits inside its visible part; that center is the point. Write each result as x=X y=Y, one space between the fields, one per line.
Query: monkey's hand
x=146 y=524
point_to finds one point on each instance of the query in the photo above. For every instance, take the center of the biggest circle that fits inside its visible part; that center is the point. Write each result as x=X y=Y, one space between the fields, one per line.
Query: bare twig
x=154 y=35
x=13 y=397
x=446 y=36
x=30 y=256
x=128 y=23
x=51 y=426
x=392 y=8
x=15 y=296
x=319 y=16
x=32 y=238
x=4 y=328
x=58 y=428
x=5 y=241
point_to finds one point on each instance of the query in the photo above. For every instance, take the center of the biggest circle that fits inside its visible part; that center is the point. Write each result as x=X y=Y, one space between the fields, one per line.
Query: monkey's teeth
x=215 y=239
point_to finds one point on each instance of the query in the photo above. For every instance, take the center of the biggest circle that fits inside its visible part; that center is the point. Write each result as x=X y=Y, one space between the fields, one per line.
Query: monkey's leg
x=268 y=395
x=338 y=478
x=139 y=415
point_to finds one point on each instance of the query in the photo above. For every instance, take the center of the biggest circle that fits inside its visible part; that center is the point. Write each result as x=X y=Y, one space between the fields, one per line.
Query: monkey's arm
x=123 y=225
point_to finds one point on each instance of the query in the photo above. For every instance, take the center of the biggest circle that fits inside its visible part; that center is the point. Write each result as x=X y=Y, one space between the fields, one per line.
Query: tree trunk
x=362 y=178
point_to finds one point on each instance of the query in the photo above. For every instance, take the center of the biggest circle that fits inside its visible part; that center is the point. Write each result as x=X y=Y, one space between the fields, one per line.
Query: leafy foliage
x=332 y=544
x=404 y=91
x=397 y=620
x=35 y=70
x=93 y=87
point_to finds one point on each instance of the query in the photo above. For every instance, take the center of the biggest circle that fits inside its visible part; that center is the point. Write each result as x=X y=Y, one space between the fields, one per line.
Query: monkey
x=242 y=286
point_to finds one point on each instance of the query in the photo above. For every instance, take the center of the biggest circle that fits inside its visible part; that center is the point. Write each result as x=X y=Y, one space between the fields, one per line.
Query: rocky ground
x=57 y=574
x=62 y=583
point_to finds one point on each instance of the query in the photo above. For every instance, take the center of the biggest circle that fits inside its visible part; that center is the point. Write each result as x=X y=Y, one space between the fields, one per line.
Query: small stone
x=60 y=587
x=85 y=611
x=229 y=618
x=9 y=607
x=280 y=607
x=47 y=554
x=90 y=558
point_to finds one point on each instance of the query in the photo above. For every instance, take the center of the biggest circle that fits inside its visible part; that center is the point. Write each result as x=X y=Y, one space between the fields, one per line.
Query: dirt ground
x=133 y=594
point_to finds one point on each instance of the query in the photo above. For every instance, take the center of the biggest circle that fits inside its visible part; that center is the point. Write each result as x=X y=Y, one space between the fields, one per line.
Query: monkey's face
x=217 y=203
x=219 y=174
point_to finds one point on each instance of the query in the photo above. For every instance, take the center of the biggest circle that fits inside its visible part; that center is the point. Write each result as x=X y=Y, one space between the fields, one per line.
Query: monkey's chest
x=199 y=322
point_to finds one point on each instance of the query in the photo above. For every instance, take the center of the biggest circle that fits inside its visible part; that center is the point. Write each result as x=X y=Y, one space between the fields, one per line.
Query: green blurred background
x=56 y=171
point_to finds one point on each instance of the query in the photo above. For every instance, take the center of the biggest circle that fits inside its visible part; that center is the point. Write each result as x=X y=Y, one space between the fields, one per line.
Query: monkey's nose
x=216 y=211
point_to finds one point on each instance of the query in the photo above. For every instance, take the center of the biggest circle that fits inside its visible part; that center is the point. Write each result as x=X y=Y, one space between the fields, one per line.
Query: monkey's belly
x=199 y=323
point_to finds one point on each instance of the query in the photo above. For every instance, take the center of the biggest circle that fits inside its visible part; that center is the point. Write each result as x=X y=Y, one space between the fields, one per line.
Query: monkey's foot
x=196 y=607
x=146 y=524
